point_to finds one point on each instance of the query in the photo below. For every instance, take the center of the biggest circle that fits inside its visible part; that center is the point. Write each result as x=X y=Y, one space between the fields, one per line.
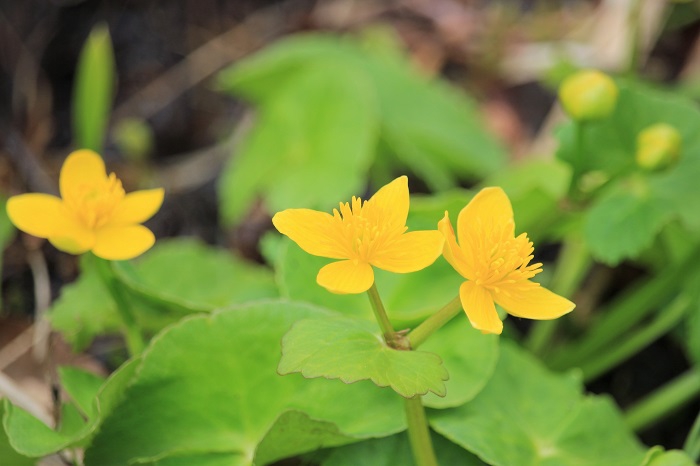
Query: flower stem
x=421 y=333
x=418 y=433
x=610 y=357
x=572 y=265
x=664 y=400
x=132 y=334
x=577 y=161
x=388 y=332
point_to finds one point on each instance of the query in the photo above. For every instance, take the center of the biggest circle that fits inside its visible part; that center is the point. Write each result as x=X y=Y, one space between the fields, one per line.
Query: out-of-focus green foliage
x=323 y=105
x=94 y=90
x=634 y=205
x=32 y=437
x=175 y=278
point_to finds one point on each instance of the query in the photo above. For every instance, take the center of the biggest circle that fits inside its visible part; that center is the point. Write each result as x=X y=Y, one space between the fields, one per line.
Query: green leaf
x=678 y=187
x=319 y=130
x=94 y=90
x=195 y=276
x=656 y=456
x=84 y=310
x=458 y=344
x=278 y=443
x=352 y=350
x=82 y=387
x=396 y=450
x=431 y=127
x=528 y=416
x=176 y=277
x=624 y=222
x=209 y=384
x=200 y=459
x=260 y=76
x=31 y=437
x=7 y=453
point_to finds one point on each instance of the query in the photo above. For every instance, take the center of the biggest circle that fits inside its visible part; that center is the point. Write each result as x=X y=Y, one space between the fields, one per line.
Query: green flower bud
x=588 y=95
x=658 y=146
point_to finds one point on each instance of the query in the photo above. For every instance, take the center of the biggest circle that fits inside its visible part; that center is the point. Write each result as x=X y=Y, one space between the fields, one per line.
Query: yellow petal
x=40 y=215
x=489 y=209
x=122 y=242
x=390 y=203
x=82 y=166
x=454 y=254
x=78 y=241
x=314 y=232
x=410 y=252
x=478 y=304
x=137 y=207
x=532 y=301
x=346 y=277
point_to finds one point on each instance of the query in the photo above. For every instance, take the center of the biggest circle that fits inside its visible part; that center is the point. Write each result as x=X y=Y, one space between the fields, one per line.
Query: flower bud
x=658 y=146
x=588 y=95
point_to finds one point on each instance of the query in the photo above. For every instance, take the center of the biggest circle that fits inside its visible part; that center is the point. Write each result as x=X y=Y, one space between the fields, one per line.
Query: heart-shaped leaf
x=209 y=385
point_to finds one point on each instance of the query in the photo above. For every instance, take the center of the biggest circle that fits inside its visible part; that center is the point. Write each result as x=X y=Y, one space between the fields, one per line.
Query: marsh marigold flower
x=496 y=264
x=362 y=235
x=92 y=214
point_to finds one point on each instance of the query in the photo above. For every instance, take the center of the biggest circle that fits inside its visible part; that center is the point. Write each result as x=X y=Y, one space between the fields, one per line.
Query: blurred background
x=171 y=125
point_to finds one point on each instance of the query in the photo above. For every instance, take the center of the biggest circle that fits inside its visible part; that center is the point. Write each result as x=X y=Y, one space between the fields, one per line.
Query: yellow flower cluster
x=494 y=262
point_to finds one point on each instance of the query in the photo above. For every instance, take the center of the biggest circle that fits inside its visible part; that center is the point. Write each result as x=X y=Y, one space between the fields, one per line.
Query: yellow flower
x=93 y=213
x=496 y=264
x=362 y=235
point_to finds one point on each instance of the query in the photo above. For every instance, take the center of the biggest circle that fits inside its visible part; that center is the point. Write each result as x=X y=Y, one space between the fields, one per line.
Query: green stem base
x=419 y=433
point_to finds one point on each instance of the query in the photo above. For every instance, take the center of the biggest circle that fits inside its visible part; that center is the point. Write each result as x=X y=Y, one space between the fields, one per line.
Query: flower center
x=93 y=203
x=362 y=229
x=501 y=259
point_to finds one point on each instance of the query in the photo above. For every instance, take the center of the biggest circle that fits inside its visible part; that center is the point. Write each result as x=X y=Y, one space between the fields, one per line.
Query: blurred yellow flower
x=496 y=264
x=93 y=213
x=362 y=235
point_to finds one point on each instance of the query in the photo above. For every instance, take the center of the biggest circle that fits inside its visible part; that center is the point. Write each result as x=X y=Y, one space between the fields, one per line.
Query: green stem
x=692 y=443
x=664 y=401
x=577 y=162
x=572 y=265
x=611 y=357
x=132 y=333
x=418 y=433
x=622 y=314
x=388 y=332
x=421 y=333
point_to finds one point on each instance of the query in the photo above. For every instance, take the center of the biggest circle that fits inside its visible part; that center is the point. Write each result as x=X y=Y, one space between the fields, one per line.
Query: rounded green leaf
x=527 y=416
x=209 y=384
x=468 y=355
